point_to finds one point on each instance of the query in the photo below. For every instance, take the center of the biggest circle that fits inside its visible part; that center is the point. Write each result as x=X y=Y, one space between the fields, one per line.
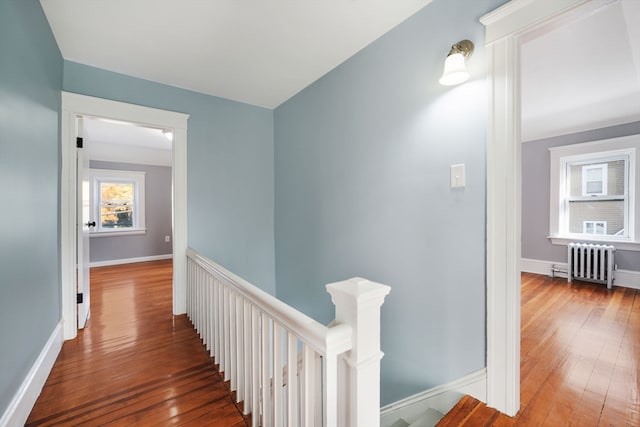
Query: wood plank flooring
x=580 y=359
x=135 y=364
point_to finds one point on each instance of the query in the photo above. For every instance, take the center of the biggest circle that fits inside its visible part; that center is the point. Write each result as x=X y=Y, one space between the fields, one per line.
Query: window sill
x=626 y=245
x=136 y=232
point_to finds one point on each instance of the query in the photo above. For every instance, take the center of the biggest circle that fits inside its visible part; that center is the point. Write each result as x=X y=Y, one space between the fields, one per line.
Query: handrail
x=314 y=332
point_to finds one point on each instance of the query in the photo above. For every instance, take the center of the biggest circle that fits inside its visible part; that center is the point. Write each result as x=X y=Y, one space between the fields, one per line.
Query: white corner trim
x=130 y=260
x=441 y=398
x=22 y=403
x=622 y=278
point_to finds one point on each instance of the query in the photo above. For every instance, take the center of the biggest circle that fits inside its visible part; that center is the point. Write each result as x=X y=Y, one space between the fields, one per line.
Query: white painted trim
x=622 y=278
x=22 y=403
x=623 y=246
x=130 y=260
x=504 y=28
x=537 y=266
x=627 y=279
x=74 y=104
x=441 y=398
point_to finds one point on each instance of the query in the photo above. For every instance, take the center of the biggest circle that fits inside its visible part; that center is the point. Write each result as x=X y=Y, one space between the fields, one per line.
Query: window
x=117 y=199
x=593 y=192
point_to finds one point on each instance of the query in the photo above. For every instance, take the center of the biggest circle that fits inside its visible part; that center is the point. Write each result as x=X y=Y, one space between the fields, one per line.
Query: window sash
x=118 y=207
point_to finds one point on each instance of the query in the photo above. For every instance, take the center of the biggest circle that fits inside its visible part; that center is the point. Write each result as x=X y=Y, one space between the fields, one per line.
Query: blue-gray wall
x=157 y=217
x=230 y=168
x=535 y=195
x=362 y=161
x=30 y=83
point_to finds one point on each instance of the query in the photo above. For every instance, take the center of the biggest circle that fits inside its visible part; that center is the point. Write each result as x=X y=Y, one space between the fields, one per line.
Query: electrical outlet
x=167 y=239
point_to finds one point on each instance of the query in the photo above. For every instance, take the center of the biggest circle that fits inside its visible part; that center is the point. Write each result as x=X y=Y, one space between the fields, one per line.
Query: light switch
x=457 y=176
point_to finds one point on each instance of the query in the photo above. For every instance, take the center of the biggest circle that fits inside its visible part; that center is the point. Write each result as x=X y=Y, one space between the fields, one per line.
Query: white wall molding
x=130 y=260
x=22 y=403
x=504 y=29
x=441 y=398
x=74 y=105
x=623 y=278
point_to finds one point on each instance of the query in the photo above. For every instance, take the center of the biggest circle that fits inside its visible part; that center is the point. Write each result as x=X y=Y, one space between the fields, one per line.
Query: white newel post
x=358 y=303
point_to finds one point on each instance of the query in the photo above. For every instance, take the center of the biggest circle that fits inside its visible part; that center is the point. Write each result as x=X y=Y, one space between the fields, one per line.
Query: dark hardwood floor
x=135 y=364
x=580 y=359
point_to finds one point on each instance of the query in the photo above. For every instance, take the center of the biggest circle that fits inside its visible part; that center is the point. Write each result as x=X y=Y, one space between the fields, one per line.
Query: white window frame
x=138 y=178
x=589 y=152
x=604 y=170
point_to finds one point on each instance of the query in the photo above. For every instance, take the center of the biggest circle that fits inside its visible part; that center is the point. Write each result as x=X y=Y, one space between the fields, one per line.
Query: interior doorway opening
x=74 y=106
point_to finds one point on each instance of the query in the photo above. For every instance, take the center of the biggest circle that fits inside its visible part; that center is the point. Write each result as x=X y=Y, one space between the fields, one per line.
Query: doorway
x=74 y=105
x=504 y=29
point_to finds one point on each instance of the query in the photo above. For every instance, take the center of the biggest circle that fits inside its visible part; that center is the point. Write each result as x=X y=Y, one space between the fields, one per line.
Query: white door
x=84 y=222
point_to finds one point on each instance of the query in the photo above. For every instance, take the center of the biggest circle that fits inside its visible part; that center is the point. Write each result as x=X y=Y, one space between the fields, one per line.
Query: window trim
x=138 y=177
x=593 y=151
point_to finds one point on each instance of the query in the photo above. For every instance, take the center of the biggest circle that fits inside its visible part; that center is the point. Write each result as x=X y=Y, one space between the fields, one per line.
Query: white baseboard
x=627 y=279
x=22 y=403
x=441 y=398
x=623 y=278
x=129 y=260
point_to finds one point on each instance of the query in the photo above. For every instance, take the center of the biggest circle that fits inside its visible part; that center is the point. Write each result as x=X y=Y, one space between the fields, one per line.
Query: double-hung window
x=593 y=192
x=117 y=202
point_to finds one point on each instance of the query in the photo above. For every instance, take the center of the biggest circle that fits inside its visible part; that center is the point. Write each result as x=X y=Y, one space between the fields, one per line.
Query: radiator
x=593 y=263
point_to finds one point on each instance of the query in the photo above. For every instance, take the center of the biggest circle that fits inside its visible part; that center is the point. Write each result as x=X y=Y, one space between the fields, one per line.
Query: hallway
x=135 y=364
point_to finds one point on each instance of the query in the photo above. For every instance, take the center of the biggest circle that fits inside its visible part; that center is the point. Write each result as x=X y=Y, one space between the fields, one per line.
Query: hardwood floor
x=135 y=363
x=580 y=358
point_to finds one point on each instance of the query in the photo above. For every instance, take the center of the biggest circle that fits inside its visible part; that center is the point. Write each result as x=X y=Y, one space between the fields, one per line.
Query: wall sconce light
x=455 y=71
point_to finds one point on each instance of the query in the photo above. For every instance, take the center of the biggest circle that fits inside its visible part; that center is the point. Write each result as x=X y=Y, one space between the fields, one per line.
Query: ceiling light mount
x=455 y=71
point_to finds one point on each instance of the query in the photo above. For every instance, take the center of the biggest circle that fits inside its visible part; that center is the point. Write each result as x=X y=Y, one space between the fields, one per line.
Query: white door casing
x=83 y=219
x=74 y=105
x=504 y=29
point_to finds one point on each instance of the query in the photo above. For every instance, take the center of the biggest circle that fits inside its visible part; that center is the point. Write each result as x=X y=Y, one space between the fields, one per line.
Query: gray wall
x=362 y=161
x=535 y=195
x=30 y=83
x=230 y=168
x=157 y=217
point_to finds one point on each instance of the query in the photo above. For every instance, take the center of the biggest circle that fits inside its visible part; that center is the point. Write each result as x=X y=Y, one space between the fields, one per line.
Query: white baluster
x=266 y=371
x=248 y=331
x=233 y=347
x=277 y=374
x=255 y=366
x=292 y=381
x=240 y=348
x=226 y=330
x=211 y=320
x=308 y=386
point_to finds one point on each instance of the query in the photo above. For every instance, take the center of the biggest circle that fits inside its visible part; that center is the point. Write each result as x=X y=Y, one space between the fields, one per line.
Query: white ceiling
x=583 y=72
x=122 y=142
x=257 y=52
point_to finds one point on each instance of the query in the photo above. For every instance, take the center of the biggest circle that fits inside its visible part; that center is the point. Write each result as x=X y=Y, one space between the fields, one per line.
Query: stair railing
x=286 y=368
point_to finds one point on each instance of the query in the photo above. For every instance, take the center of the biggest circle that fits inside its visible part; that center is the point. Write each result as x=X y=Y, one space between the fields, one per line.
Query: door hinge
x=79 y=142
x=79 y=298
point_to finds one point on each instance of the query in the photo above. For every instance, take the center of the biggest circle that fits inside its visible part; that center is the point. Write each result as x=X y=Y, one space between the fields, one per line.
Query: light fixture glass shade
x=454 y=70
